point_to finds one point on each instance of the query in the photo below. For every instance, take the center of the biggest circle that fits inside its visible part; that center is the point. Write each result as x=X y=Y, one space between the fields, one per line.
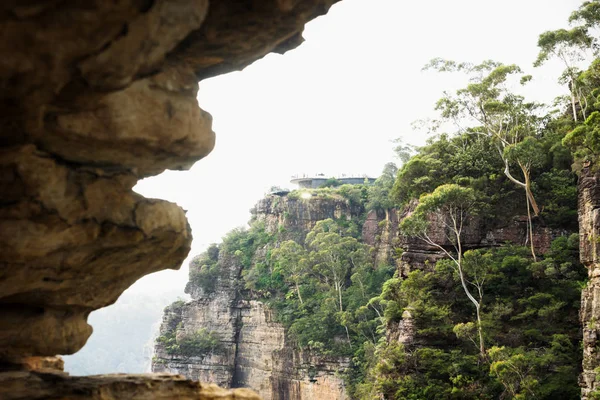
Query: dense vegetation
x=487 y=323
x=496 y=322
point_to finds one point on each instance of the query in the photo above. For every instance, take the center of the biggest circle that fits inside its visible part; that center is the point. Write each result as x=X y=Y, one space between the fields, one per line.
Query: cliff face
x=381 y=230
x=297 y=216
x=589 y=228
x=254 y=351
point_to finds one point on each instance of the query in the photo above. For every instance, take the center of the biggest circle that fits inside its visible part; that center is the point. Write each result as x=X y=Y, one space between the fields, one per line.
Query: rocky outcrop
x=294 y=217
x=96 y=95
x=27 y=385
x=254 y=350
x=381 y=230
x=589 y=228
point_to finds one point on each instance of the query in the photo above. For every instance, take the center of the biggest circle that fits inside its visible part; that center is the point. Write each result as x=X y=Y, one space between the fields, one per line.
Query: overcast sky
x=334 y=104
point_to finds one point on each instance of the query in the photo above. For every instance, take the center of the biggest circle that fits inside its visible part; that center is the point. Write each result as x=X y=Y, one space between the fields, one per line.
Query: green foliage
x=588 y=14
x=379 y=192
x=243 y=243
x=504 y=145
x=204 y=269
x=530 y=312
x=321 y=289
x=331 y=182
x=450 y=203
x=565 y=44
x=198 y=344
x=356 y=195
x=175 y=307
x=467 y=159
x=584 y=140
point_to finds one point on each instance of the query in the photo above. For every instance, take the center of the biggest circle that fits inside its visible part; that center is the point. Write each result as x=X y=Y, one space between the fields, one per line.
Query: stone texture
x=64 y=229
x=95 y=95
x=256 y=353
x=31 y=385
x=589 y=228
x=298 y=216
x=381 y=230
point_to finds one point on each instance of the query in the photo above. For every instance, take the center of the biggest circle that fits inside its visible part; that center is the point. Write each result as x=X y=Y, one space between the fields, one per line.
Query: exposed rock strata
x=255 y=352
x=43 y=378
x=297 y=216
x=408 y=254
x=27 y=385
x=96 y=95
x=589 y=229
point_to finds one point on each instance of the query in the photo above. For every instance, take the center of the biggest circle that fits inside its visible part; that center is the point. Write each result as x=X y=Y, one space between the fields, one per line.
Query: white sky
x=334 y=104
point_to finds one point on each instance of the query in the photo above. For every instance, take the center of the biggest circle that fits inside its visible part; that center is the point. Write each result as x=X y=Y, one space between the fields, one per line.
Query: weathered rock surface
x=298 y=216
x=381 y=230
x=408 y=253
x=589 y=230
x=96 y=95
x=28 y=385
x=255 y=352
x=42 y=378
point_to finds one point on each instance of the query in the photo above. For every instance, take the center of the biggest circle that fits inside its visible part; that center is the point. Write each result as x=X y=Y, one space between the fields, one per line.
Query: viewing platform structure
x=305 y=181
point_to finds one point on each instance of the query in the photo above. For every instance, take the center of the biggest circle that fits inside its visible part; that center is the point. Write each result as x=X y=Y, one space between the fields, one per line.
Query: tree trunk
x=530 y=228
x=348 y=336
x=573 y=101
x=298 y=291
x=573 y=107
x=476 y=303
x=480 y=331
x=528 y=192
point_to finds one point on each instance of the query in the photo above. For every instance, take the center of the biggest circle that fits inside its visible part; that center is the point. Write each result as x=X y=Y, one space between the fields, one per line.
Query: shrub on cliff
x=198 y=344
x=205 y=271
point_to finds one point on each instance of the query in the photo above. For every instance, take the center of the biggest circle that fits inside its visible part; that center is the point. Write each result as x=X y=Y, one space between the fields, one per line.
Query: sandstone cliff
x=589 y=225
x=381 y=230
x=254 y=351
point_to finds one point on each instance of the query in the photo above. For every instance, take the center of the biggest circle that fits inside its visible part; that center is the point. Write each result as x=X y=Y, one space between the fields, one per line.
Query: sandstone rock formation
x=47 y=382
x=409 y=254
x=254 y=351
x=96 y=95
x=589 y=227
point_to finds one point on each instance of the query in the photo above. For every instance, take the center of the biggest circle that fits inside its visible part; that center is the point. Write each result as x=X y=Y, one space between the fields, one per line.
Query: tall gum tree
x=570 y=46
x=333 y=257
x=451 y=205
x=487 y=106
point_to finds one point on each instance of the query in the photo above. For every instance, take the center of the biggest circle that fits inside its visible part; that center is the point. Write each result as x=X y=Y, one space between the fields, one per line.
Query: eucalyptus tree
x=333 y=257
x=570 y=47
x=379 y=192
x=292 y=260
x=449 y=205
x=488 y=106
